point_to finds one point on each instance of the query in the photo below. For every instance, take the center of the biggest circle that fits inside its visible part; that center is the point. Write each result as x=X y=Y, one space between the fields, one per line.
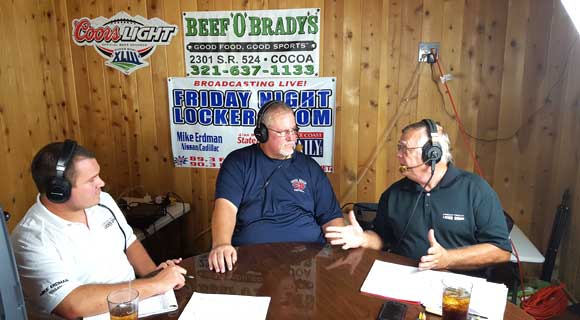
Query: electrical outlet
x=425 y=48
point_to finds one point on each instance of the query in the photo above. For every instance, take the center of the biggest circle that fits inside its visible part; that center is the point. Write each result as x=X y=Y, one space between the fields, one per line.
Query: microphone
x=403 y=169
x=299 y=147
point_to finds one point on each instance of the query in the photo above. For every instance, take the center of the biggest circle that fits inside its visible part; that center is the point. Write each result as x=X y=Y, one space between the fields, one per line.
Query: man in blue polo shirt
x=439 y=215
x=267 y=193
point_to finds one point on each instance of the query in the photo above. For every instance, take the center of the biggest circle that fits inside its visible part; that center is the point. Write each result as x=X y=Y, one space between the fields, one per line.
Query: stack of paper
x=409 y=284
x=225 y=306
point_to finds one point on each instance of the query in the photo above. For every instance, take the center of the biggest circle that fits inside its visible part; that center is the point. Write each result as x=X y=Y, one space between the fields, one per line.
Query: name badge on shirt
x=453 y=216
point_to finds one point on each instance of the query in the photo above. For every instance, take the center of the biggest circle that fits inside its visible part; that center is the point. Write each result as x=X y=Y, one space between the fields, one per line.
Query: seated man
x=266 y=192
x=74 y=246
x=444 y=217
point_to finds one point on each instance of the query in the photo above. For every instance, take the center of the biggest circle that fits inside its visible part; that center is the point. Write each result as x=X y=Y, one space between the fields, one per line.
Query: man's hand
x=220 y=254
x=437 y=257
x=170 y=277
x=351 y=236
x=171 y=262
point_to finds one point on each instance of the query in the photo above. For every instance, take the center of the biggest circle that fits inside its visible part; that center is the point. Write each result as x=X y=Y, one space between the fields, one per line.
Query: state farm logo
x=125 y=41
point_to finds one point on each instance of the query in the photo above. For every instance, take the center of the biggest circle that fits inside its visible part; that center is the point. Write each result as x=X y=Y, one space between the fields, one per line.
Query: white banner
x=212 y=117
x=261 y=43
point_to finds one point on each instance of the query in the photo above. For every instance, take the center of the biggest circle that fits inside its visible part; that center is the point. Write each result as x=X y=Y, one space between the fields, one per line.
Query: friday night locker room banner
x=211 y=117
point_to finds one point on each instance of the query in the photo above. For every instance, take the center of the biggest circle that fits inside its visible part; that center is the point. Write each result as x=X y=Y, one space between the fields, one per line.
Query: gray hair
x=442 y=139
x=276 y=107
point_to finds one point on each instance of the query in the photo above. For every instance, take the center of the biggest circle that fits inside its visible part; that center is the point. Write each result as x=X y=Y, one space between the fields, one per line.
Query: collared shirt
x=277 y=200
x=55 y=256
x=462 y=209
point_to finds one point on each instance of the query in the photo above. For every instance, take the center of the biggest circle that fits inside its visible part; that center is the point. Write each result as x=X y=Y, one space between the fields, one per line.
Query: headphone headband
x=59 y=188
x=432 y=151
x=68 y=150
x=261 y=130
x=431 y=128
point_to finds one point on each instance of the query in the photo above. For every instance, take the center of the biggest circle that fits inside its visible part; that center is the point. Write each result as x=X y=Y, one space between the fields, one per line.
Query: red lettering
x=84 y=32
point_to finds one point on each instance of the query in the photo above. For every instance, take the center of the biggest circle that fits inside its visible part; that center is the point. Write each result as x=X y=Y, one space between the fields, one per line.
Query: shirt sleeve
x=490 y=222
x=107 y=200
x=381 y=227
x=46 y=278
x=229 y=184
x=326 y=206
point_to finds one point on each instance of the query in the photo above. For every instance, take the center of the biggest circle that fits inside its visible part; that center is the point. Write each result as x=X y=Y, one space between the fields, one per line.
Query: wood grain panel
x=369 y=100
x=514 y=87
x=563 y=178
x=350 y=93
x=332 y=16
x=393 y=97
x=450 y=60
x=12 y=127
x=511 y=105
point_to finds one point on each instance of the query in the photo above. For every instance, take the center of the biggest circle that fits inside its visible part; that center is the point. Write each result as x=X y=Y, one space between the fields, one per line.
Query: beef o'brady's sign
x=260 y=43
x=124 y=40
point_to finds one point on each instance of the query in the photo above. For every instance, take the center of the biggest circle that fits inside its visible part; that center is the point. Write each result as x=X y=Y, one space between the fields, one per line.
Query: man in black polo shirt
x=439 y=215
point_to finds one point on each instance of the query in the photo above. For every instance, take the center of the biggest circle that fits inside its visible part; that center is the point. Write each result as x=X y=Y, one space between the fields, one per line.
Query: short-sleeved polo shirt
x=277 y=200
x=55 y=256
x=462 y=209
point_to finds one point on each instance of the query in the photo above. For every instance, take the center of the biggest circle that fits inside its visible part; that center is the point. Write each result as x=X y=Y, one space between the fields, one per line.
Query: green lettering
x=254 y=26
x=267 y=26
x=312 y=24
x=213 y=27
x=190 y=26
x=280 y=27
x=290 y=25
x=301 y=23
x=224 y=24
x=203 y=27
x=239 y=25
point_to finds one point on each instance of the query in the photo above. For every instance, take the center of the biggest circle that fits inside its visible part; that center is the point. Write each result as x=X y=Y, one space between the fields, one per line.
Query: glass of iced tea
x=123 y=304
x=456 y=296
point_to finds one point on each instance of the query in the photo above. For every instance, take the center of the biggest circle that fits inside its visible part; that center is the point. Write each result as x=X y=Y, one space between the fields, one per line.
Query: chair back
x=365 y=213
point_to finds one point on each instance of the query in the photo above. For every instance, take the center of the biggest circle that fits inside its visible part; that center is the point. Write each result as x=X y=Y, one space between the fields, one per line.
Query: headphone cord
x=414 y=210
x=118 y=224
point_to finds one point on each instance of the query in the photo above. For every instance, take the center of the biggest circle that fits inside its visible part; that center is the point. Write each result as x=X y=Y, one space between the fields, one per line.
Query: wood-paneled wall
x=515 y=84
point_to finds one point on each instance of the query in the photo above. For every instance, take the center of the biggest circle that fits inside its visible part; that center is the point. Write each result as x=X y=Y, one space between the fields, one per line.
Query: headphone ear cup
x=432 y=152
x=58 y=190
x=261 y=133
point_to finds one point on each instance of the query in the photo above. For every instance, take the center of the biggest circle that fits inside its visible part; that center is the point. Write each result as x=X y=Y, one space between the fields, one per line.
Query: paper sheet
x=406 y=283
x=153 y=305
x=223 y=306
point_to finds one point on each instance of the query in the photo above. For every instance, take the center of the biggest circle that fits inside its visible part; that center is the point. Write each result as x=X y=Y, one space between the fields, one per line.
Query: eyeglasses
x=285 y=133
x=404 y=149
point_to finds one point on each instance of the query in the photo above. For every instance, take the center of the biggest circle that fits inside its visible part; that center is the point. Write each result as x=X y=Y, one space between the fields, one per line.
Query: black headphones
x=59 y=188
x=432 y=151
x=261 y=131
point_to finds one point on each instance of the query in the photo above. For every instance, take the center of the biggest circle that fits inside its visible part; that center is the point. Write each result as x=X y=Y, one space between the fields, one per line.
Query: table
x=174 y=211
x=305 y=281
x=527 y=252
x=526 y=249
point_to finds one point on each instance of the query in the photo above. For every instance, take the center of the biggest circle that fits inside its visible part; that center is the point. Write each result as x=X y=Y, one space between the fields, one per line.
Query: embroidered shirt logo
x=453 y=216
x=108 y=223
x=298 y=185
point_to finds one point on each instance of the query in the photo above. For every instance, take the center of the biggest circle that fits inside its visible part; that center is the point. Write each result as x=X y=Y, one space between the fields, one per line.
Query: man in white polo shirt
x=74 y=246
